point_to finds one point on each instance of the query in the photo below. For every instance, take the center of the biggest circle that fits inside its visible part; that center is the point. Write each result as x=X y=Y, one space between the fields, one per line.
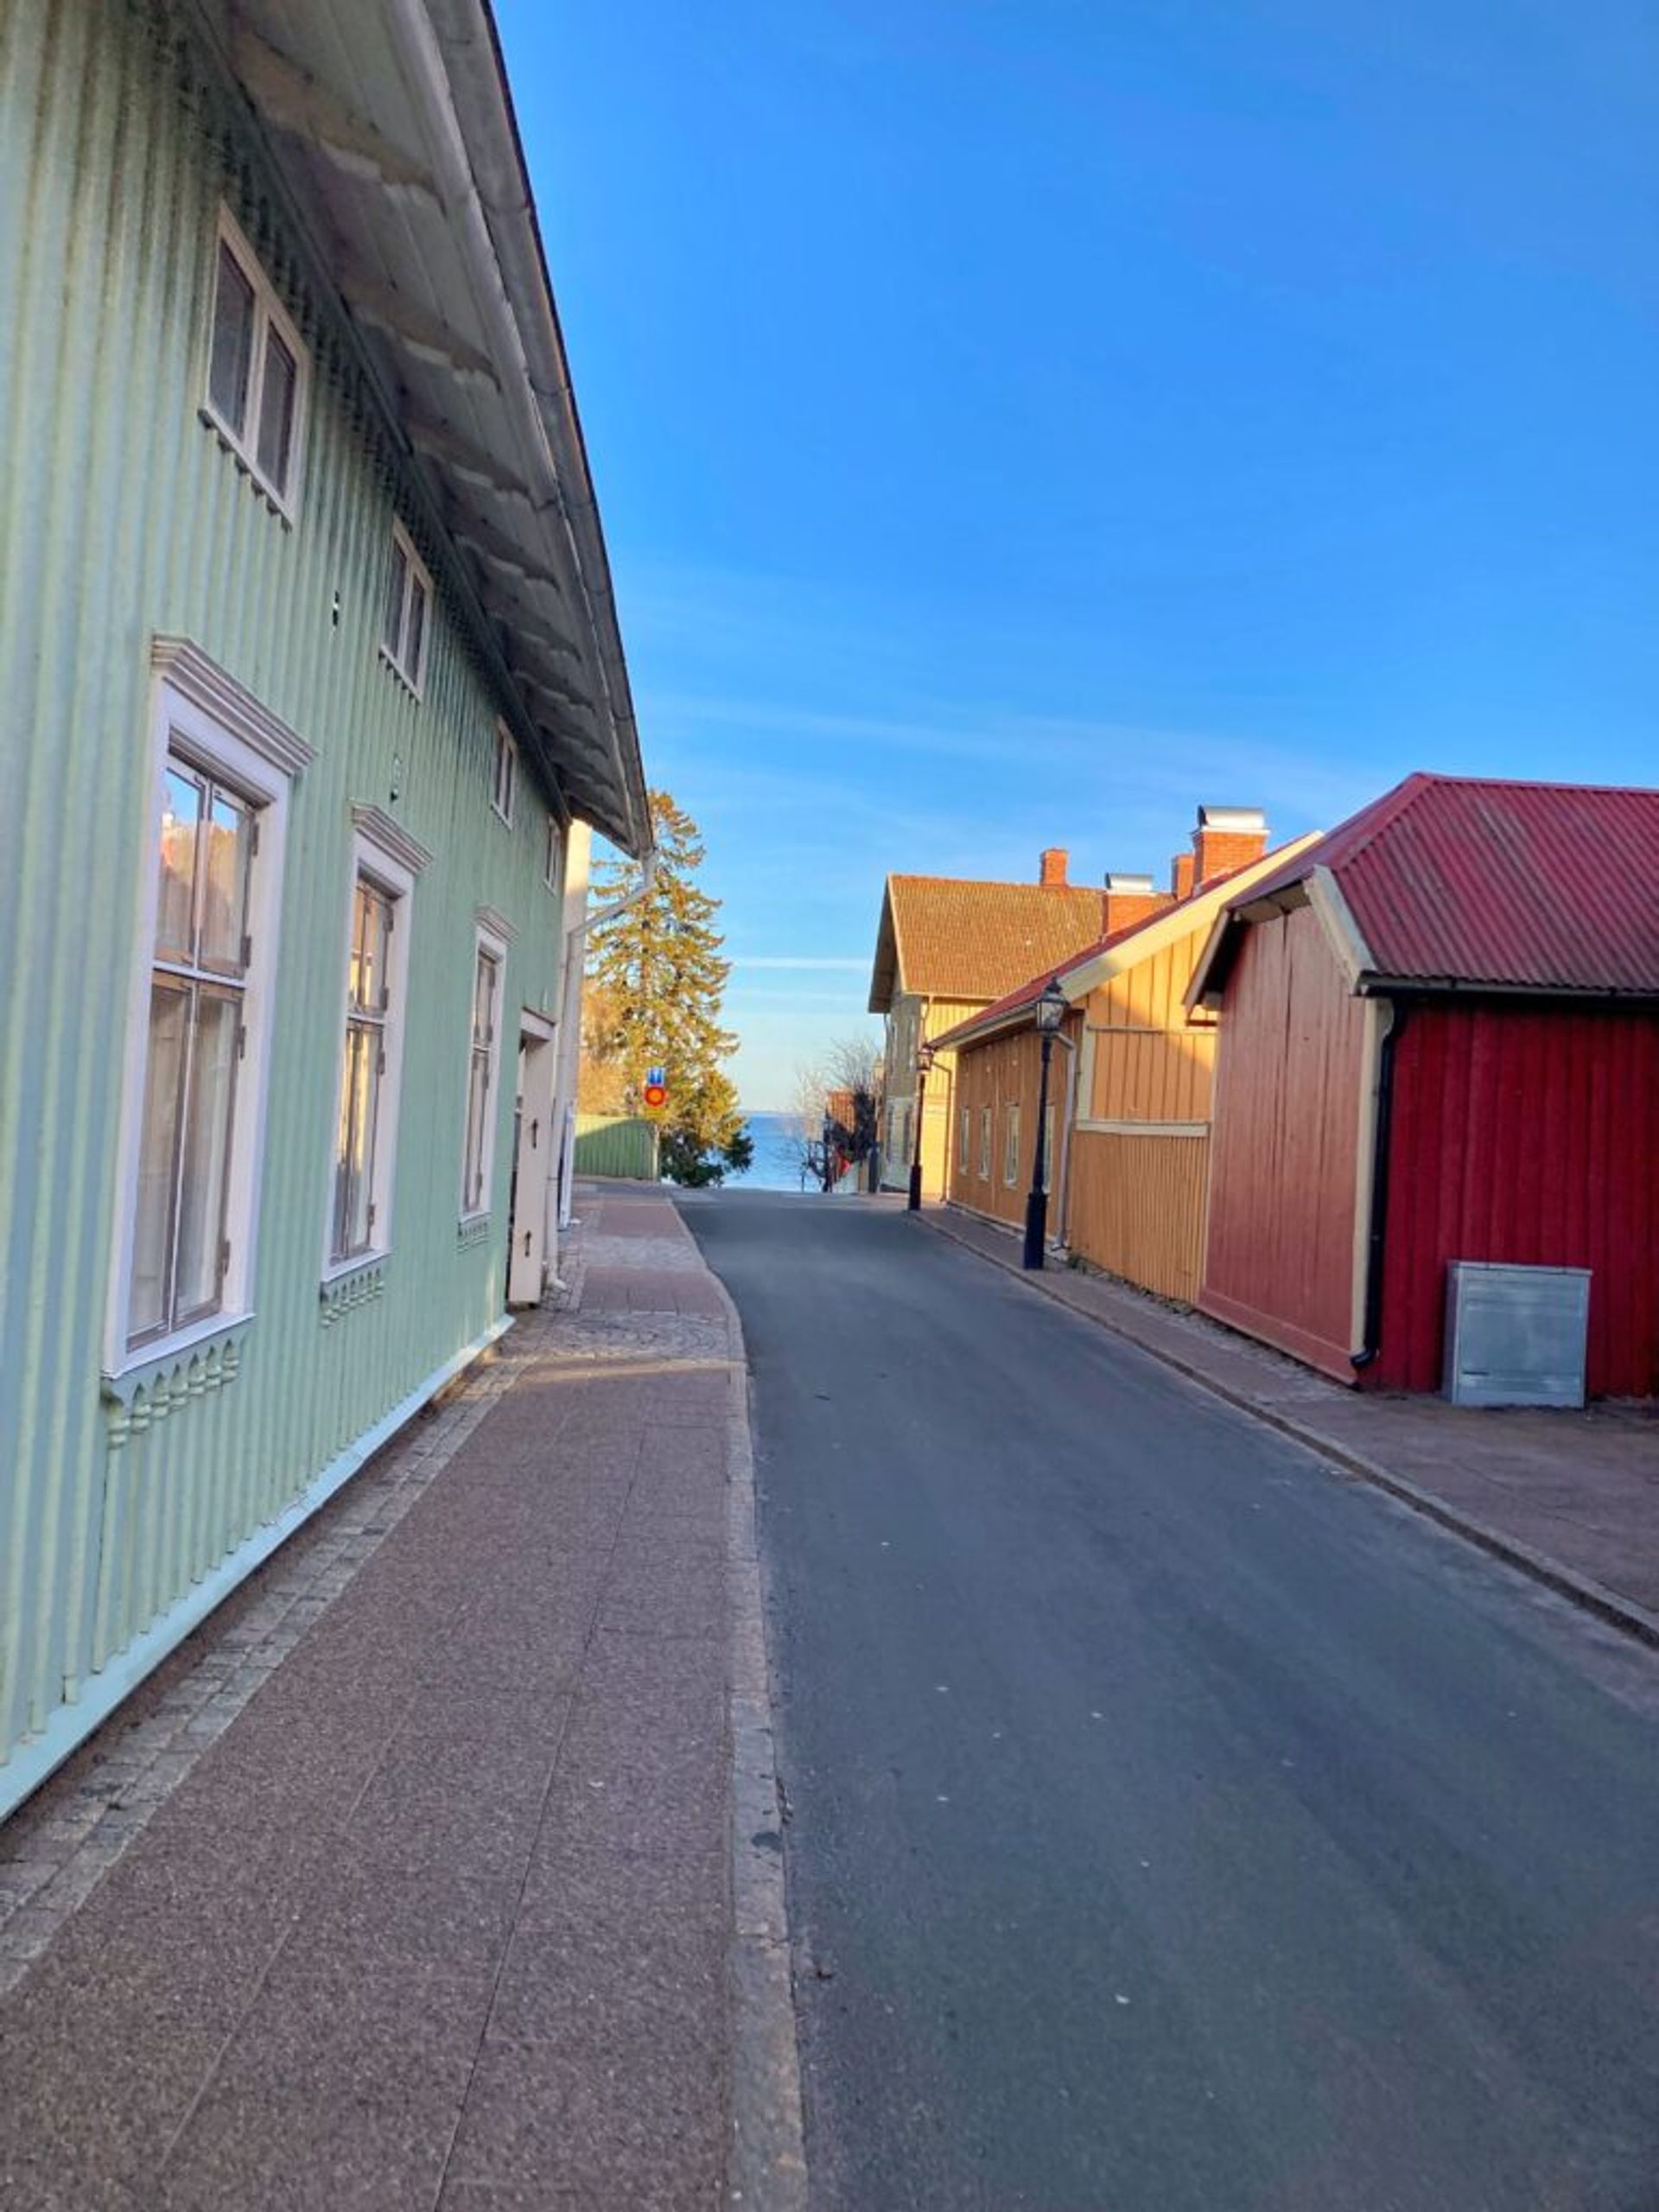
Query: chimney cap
x=1130 y=885
x=1239 y=821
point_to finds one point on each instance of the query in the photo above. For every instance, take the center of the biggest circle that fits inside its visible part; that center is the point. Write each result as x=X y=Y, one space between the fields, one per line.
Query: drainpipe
x=1366 y=1355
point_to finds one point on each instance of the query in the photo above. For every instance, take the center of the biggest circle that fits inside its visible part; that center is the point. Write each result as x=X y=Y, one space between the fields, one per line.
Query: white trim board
x=38 y=1757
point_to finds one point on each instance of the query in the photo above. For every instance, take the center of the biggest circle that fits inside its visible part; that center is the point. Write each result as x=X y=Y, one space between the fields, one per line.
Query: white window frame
x=492 y=941
x=504 y=775
x=985 y=1144
x=199 y=709
x=1011 y=1146
x=417 y=577
x=268 y=314
x=553 y=868
x=384 y=856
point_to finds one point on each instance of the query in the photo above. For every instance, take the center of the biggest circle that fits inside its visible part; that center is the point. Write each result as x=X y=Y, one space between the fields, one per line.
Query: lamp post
x=924 y=1062
x=1051 y=1013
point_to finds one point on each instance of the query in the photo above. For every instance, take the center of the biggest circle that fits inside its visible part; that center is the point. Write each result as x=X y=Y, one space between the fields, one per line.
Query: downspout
x=1366 y=1355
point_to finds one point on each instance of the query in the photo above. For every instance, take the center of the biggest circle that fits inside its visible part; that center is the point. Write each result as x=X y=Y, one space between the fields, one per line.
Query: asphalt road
x=1175 y=1823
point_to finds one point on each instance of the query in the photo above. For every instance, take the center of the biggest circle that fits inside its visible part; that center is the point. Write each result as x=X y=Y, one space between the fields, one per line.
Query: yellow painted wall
x=1134 y=1206
x=1149 y=1063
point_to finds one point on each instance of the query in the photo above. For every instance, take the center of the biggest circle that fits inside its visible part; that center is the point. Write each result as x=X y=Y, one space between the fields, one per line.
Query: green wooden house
x=310 y=664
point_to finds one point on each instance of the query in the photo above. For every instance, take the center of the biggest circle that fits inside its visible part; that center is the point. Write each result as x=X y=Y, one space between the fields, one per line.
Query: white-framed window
x=964 y=1139
x=385 y=862
x=196 y=1057
x=1011 y=1146
x=258 y=372
x=553 y=865
x=406 y=622
x=483 y=1072
x=504 y=784
x=984 y=1144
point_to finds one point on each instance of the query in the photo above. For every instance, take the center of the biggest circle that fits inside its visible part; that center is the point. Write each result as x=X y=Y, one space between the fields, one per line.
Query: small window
x=1011 y=1148
x=408 y=610
x=984 y=1144
x=553 y=869
x=257 y=370
x=505 y=773
x=482 y=1067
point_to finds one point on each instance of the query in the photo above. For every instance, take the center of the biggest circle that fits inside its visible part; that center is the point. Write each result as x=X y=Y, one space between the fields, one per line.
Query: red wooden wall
x=1279 y=1258
x=1530 y=1134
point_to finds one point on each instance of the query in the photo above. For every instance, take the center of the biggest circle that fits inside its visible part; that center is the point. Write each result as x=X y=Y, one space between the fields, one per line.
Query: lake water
x=777 y=1154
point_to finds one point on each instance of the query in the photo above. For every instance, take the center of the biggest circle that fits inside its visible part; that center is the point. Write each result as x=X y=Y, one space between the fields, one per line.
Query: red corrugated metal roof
x=1456 y=879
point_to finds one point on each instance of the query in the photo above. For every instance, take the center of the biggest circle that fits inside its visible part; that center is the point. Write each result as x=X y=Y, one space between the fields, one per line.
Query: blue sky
x=1016 y=425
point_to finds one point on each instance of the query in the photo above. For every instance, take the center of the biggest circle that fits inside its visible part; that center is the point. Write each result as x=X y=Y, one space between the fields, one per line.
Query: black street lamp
x=1051 y=1013
x=924 y=1062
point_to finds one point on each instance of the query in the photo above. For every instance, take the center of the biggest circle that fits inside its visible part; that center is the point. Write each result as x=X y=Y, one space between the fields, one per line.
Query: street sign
x=656 y=1094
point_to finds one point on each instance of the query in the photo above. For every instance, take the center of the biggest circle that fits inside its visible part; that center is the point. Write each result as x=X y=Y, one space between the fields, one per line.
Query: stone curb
x=768 y=2155
x=1581 y=1590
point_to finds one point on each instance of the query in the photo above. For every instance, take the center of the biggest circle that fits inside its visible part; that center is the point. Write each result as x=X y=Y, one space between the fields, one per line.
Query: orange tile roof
x=947 y=938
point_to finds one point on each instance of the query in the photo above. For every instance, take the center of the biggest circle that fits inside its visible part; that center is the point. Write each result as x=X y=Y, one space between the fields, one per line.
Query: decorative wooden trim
x=495 y=924
x=391 y=837
x=1144 y=1128
x=1343 y=933
x=355 y=1284
x=149 y=1390
x=182 y=663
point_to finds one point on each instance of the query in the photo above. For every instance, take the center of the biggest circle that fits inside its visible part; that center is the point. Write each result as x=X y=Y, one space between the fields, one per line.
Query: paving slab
x=1570 y=1496
x=409 y=1881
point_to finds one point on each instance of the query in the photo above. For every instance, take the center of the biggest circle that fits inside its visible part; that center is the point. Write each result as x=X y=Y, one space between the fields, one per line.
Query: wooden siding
x=1279 y=1258
x=124 y=516
x=1148 y=1063
x=1000 y=1074
x=1529 y=1135
x=1134 y=1206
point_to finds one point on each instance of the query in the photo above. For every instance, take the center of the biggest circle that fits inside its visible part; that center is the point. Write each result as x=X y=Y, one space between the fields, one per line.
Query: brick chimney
x=1050 y=868
x=1227 y=837
x=1180 y=875
x=1129 y=900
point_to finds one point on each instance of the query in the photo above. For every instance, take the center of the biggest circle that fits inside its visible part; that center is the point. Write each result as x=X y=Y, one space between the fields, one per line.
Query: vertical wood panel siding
x=1279 y=1258
x=121 y=517
x=1136 y=1208
x=1005 y=1072
x=1529 y=1135
x=1151 y=1063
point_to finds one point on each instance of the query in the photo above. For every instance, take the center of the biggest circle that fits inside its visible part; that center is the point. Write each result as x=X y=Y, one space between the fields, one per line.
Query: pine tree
x=659 y=967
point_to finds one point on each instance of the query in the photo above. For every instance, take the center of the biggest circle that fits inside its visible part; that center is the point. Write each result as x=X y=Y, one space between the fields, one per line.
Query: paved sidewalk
x=1572 y=1497
x=409 y=1882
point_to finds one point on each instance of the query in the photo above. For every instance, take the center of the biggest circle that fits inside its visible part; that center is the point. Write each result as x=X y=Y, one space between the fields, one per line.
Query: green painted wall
x=121 y=517
x=617 y=1144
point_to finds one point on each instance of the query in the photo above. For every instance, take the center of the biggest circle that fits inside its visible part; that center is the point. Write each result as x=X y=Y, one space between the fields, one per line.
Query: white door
x=533 y=1162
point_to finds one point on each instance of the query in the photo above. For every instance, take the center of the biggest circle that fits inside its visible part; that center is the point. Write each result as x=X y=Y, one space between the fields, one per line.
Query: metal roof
x=391 y=126
x=1456 y=881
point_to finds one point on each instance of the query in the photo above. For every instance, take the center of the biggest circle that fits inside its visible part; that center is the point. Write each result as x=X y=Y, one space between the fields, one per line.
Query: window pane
x=391 y=632
x=417 y=639
x=277 y=393
x=232 y=343
x=204 y=1159
x=477 y=1088
x=354 y=1160
x=224 y=891
x=369 y=976
x=147 y=1310
x=483 y=1001
x=182 y=800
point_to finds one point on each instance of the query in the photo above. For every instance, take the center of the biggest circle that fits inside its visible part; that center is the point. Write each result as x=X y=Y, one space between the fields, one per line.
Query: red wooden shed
x=1439 y=1041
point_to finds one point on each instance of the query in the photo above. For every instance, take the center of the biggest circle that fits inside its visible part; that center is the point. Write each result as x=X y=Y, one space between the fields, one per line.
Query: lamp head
x=1051 y=1008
